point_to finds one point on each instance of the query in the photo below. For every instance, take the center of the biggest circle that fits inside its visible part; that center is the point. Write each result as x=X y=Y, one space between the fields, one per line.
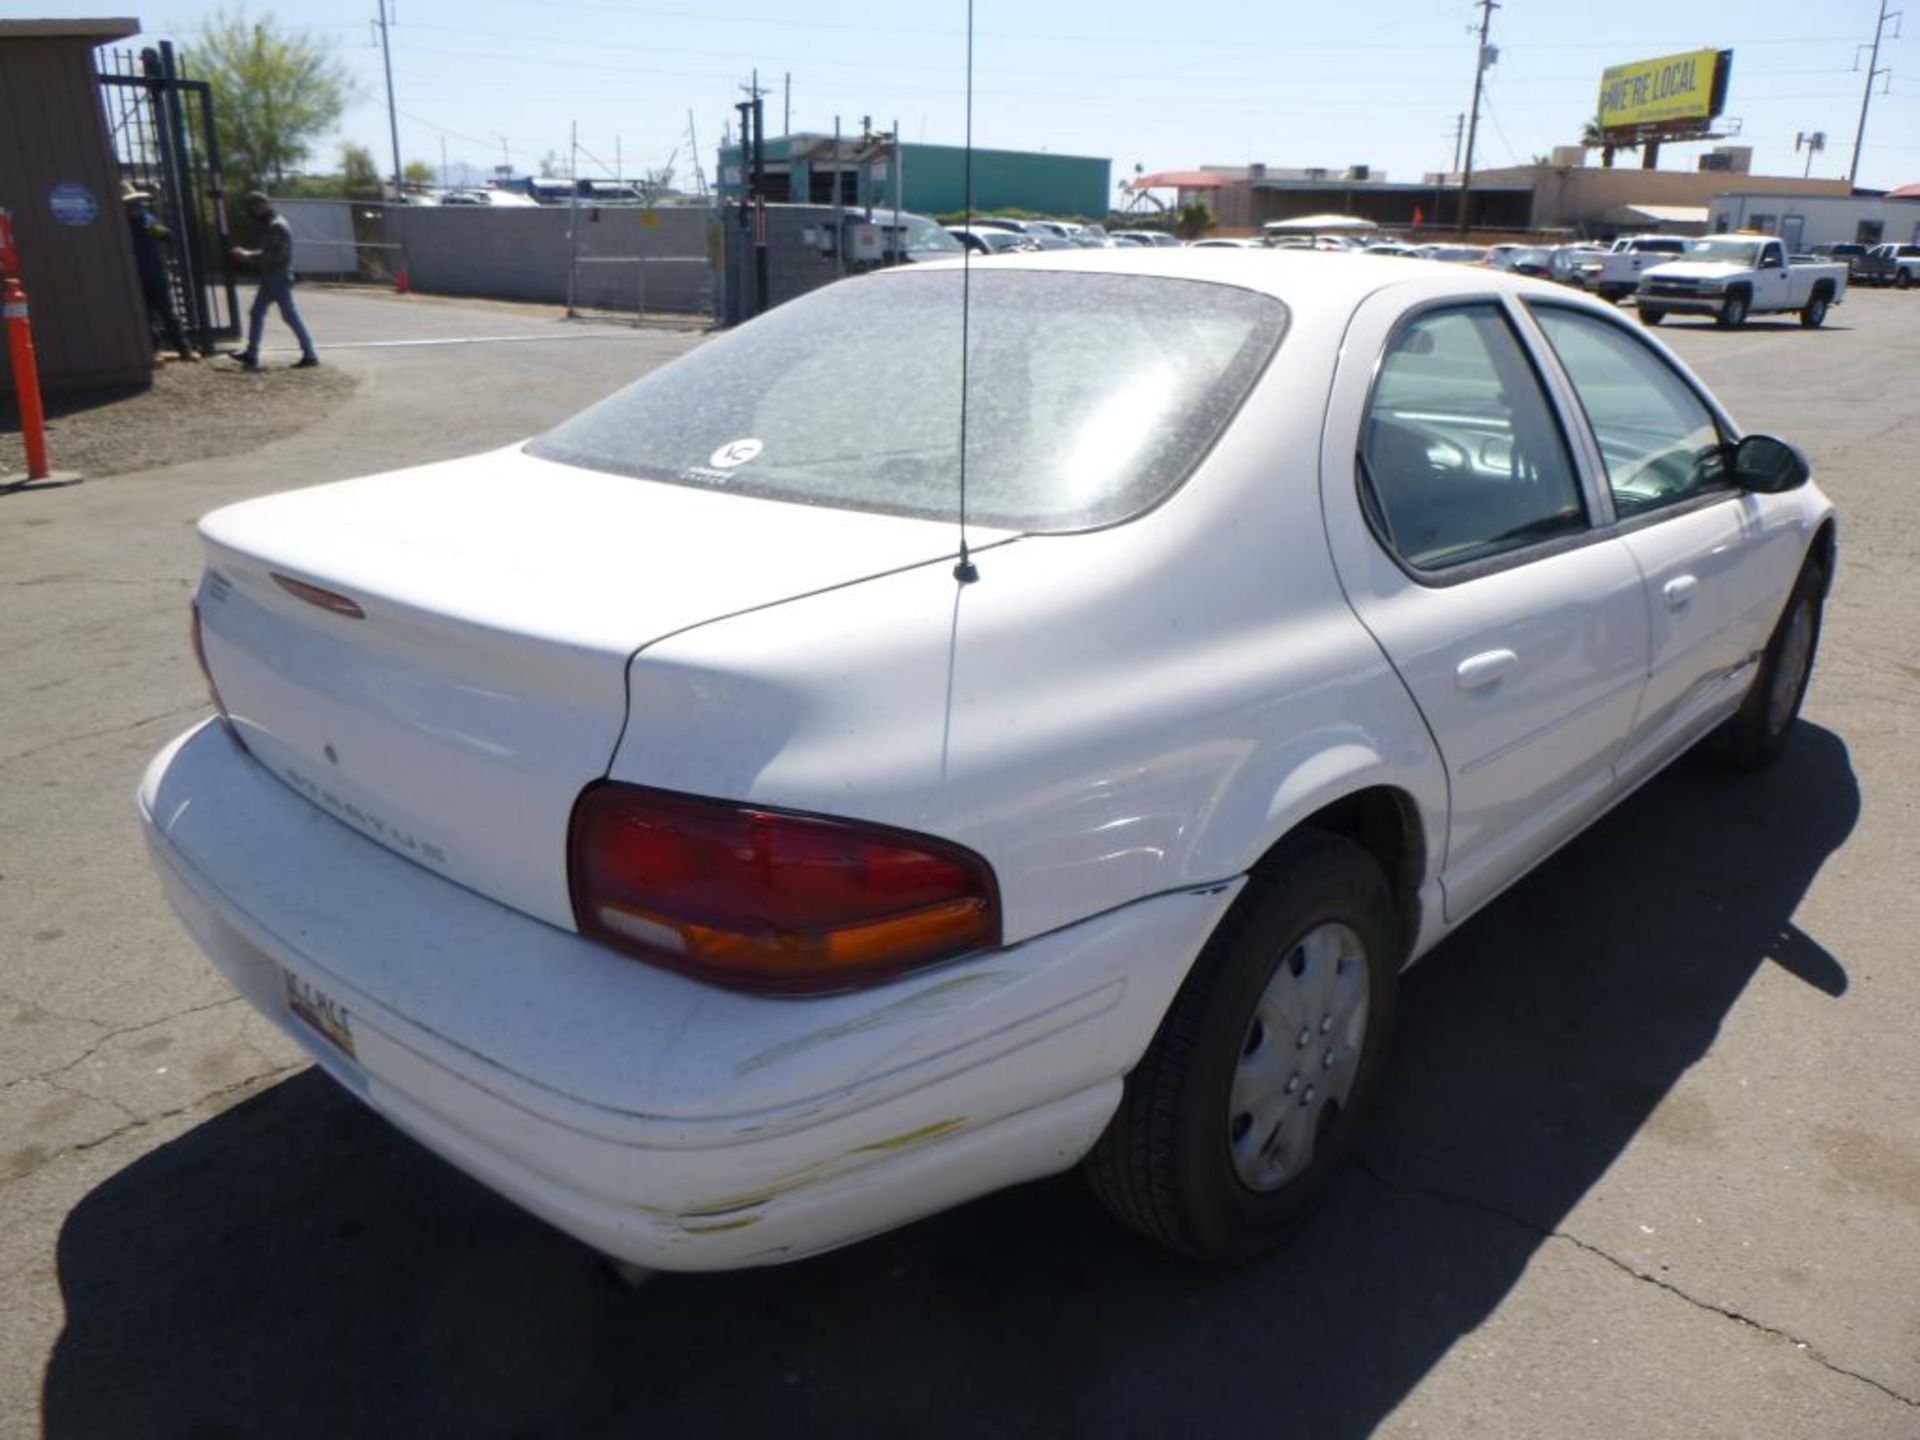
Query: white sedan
x=671 y=824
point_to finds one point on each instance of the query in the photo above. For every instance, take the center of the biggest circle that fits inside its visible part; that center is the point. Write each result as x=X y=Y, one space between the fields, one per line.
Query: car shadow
x=296 y=1267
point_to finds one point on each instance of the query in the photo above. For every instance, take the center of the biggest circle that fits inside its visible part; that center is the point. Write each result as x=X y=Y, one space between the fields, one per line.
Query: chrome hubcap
x=1796 y=651
x=1300 y=1056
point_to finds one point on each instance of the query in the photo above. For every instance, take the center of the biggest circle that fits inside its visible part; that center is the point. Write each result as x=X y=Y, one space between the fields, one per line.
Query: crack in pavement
x=130 y=725
x=49 y=1077
x=211 y=1097
x=1486 y=1207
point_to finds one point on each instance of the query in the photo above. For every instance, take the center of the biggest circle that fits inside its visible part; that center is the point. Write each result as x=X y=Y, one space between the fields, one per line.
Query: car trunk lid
x=438 y=657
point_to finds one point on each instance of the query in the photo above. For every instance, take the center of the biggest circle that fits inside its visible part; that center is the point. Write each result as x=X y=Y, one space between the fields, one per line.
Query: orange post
x=26 y=377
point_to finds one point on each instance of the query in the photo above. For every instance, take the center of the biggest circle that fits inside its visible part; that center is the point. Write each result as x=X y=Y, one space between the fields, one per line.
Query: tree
x=1594 y=138
x=1193 y=221
x=418 y=172
x=359 y=176
x=275 y=90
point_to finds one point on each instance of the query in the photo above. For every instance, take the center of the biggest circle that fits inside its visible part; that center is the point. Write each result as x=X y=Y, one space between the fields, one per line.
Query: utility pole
x=1873 y=69
x=786 y=103
x=1459 y=136
x=1482 y=59
x=693 y=147
x=393 y=118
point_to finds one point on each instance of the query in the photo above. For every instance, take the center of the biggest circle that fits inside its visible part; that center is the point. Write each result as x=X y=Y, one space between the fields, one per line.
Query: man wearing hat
x=150 y=238
x=275 y=258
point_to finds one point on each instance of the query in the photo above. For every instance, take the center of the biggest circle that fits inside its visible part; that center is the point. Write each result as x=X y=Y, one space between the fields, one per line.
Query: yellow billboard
x=1656 y=92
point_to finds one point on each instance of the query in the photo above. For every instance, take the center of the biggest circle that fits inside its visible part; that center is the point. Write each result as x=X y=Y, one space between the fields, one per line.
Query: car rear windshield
x=1090 y=397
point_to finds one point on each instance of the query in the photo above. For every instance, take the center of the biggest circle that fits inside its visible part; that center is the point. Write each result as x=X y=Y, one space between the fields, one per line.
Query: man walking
x=150 y=260
x=275 y=258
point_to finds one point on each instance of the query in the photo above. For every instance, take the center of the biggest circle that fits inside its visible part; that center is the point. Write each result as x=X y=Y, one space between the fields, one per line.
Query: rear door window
x=1461 y=455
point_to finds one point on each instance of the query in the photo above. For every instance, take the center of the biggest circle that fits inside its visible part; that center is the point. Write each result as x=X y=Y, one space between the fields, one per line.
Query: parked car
x=1227 y=242
x=1848 y=252
x=986 y=241
x=1041 y=236
x=1159 y=239
x=1616 y=273
x=701 y=827
x=1897 y=265
x=1567 y=262
x=1392 y=248
x=1455 y=254
x=1534 y=260
x=1733 y=276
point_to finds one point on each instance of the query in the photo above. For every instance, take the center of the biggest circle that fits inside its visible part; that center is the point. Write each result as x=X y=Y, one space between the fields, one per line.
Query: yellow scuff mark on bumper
x=911 y=1138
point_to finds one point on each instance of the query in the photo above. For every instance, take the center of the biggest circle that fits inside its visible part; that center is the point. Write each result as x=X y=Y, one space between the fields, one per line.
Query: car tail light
x=768 y=900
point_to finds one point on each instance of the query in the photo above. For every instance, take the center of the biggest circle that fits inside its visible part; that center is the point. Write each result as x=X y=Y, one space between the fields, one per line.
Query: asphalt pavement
x=1648 y=1163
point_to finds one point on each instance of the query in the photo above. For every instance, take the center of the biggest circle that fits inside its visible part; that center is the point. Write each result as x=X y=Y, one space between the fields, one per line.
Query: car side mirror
x=1769 y=465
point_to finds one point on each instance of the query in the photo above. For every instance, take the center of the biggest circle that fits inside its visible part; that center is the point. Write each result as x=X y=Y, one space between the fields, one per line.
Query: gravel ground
x=192 y=412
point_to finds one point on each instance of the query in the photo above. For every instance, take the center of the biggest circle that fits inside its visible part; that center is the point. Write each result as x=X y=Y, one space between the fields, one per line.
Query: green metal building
x=929 y=179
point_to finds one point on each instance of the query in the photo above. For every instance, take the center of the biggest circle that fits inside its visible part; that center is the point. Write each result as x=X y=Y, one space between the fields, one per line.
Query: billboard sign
x=1673 y=94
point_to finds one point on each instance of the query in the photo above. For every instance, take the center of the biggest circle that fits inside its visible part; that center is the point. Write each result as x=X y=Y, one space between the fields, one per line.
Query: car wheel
x=1902 y=281
x=1758 y=732
x=1249 y=1097
x=1815 y=314
x=1733 y=313
x=1651 y=317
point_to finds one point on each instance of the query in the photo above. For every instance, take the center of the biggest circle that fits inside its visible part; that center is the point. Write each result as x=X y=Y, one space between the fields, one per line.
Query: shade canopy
x=1319 y=225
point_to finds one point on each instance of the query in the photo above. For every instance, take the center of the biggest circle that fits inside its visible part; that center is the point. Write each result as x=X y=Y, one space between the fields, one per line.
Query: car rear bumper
x=656 y=1119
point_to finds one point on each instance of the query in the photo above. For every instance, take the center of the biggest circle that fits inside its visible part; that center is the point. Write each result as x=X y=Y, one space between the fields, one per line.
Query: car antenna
x=966 y=572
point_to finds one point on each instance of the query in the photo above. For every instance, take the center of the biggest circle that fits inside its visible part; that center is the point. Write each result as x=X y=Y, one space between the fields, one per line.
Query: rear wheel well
x=1823 y=290
x=1384 y=822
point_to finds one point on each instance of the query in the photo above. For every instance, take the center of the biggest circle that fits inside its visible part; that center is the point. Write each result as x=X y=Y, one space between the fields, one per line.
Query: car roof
x=1298 y=277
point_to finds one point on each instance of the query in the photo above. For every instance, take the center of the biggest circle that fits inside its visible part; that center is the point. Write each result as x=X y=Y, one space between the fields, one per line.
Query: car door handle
x=1476 y=672
x=1678 y=591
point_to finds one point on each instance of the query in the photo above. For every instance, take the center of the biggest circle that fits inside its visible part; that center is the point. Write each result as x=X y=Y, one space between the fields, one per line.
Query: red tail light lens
x=770 y=901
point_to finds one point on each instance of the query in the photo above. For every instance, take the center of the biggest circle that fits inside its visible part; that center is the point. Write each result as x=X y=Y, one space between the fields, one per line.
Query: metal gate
x=161 y=125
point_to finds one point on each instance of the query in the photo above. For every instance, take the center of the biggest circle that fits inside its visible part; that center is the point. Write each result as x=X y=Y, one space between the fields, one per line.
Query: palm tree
x=1593 y=138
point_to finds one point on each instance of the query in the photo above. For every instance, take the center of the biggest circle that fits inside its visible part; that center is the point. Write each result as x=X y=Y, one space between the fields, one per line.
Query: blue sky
x=1165 y=85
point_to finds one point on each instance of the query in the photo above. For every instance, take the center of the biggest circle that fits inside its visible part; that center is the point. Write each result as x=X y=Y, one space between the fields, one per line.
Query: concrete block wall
x=323 y=246
x=522 y=254
x=793 y=266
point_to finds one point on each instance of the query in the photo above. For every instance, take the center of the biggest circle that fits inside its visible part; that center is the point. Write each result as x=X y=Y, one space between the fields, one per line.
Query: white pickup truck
x=1615 y=274
x=1733 y=276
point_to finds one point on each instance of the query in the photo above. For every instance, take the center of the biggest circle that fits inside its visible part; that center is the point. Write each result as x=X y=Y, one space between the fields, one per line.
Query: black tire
x=1758 y=732
x=1902 y=280
x=1651 y=317
x=1815 y=314
x=1733 y=311
x=1165 y=1165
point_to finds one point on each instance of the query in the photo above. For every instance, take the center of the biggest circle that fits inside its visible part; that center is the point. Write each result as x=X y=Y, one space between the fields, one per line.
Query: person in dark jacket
x=275 y=258
x=150 y=239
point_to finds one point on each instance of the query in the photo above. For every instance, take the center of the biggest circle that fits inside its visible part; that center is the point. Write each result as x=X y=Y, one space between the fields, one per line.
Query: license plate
x=320 y=1011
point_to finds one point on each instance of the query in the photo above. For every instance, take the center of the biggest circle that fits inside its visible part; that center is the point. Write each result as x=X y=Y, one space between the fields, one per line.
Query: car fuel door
x=1463 y=532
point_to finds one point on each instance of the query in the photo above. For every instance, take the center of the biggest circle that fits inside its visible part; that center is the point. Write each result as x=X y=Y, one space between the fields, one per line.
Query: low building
x=1803 y=220
x=1595 y=200
x=928 y=179
x=1565 y=195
